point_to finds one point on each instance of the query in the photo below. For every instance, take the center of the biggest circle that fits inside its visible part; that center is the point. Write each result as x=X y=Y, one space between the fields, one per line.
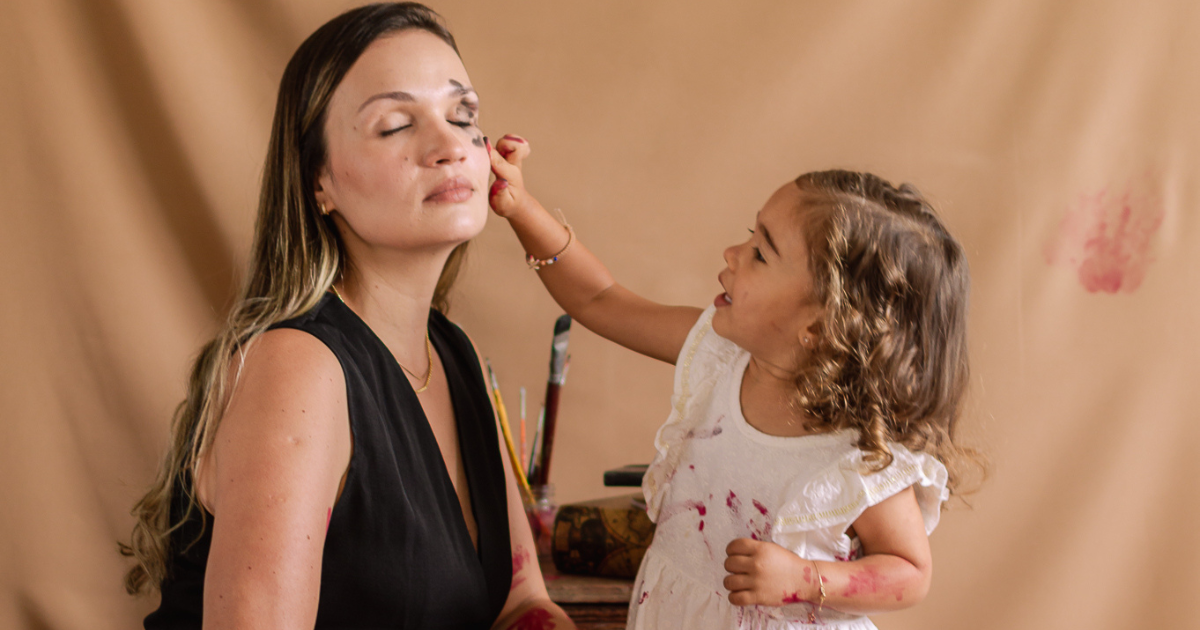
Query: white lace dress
x=716 y=478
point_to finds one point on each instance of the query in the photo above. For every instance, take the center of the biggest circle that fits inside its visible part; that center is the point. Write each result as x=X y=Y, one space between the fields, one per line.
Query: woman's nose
x=445 y=145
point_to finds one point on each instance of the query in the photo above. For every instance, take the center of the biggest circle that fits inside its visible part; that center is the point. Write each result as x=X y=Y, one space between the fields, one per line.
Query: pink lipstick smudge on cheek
x=328 y=517
x=1106 y=240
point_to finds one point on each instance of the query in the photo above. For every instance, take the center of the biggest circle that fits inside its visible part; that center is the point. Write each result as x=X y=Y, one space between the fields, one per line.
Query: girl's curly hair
x=890 y=357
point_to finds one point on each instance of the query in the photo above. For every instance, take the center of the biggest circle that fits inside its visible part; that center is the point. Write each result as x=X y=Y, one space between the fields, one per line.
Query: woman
x=336 y=462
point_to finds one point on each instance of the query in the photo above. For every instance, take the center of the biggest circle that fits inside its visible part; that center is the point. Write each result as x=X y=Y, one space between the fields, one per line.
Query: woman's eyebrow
x=396 y=96
x=460 y=89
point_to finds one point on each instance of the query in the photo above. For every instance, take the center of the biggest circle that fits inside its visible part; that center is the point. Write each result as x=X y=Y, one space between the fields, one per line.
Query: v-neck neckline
x=410 y=391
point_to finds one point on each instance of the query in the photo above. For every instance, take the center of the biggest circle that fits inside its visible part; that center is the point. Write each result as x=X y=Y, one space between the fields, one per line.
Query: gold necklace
x=428 y=353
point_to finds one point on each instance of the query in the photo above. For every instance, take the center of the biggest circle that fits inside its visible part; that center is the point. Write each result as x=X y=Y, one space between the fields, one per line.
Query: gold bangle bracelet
x=537 y=263
x=812 y=614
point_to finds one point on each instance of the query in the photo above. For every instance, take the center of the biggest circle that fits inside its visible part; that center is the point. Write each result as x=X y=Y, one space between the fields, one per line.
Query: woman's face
x=406 y=164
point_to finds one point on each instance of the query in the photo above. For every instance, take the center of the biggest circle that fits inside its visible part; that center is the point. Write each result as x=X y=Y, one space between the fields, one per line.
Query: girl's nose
x=443 y=145
x=731 y=256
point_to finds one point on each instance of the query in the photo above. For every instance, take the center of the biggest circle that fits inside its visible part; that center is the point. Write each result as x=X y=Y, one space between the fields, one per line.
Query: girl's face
x=768 y=304
x=407 y=167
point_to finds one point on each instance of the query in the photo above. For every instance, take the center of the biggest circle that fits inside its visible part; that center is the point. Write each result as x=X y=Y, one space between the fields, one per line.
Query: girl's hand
x=508 y=195
x=764 y=574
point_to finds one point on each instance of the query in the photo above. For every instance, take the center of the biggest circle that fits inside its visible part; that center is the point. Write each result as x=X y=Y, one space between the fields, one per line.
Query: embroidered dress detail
x=716 y=478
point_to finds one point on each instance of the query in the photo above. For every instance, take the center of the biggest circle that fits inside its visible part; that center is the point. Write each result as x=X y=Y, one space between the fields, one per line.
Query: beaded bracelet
x=537 y=263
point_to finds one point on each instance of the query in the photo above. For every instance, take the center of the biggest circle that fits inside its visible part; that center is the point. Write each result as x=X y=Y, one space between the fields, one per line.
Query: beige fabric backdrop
x=1060 y=140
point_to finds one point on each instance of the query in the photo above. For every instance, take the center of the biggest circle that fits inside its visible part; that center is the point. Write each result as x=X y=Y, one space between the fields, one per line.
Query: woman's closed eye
x=387 y=132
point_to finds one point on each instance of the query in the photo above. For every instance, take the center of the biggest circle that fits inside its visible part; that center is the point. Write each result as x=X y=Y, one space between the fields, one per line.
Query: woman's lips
x=453 y=190
x=722 y=300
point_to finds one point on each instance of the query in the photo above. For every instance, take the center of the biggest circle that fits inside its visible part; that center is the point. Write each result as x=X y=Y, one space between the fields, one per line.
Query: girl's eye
x=758 y=255
x=465 y=124
x=388 y=132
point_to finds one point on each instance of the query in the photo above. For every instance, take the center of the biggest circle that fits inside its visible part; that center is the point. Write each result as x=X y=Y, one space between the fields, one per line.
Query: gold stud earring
x=323 y=210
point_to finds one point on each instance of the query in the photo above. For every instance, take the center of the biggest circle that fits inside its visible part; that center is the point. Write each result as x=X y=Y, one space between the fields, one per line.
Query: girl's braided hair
x=890 y=358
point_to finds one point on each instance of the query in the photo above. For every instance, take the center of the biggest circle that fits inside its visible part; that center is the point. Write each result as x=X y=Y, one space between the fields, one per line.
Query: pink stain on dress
x=669 y=511
x=1105 y=238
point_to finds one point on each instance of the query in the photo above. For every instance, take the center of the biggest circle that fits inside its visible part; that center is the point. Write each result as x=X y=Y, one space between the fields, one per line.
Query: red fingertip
x=488 y=143
x=499 y=185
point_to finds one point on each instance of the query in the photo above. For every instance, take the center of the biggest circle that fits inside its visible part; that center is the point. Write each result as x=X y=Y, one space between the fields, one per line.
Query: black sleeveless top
x=397 y=552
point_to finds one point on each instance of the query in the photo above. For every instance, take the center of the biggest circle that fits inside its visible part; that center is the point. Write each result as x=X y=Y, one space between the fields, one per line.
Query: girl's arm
x=894 y=572
x=578 y=281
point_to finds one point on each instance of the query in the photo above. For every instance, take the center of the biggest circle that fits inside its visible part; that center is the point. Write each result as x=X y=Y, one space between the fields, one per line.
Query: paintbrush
x=558 y=377
x=535 y=447
x=522 y=449
x=512 y=451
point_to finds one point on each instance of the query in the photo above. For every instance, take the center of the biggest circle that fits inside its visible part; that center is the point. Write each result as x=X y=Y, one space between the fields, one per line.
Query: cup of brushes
x=533 y=474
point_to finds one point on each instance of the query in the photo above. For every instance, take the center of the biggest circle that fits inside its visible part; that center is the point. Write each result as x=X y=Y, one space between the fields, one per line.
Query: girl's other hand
x=765 y=574
x=508 y=195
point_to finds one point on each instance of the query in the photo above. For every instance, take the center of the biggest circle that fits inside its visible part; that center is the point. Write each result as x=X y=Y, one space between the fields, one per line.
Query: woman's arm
x=578 y=281
x=271 y=480
x=528 y=604
x=894 y=572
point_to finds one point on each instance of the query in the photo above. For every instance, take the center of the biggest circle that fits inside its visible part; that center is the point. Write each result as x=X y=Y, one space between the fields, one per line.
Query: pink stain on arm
x=519 y=559
x=795 y=598
x=868 y=582
x=536 y=619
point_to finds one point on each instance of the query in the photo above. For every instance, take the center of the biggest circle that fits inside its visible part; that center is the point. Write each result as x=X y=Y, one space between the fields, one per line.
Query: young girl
x=804 y=462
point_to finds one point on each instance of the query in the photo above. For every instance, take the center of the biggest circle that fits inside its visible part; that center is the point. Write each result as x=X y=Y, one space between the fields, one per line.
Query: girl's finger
x=514 y=149
x=739 y=564
x=743 y=598
x=503 y=169
x=737 y=582
x=741 y=547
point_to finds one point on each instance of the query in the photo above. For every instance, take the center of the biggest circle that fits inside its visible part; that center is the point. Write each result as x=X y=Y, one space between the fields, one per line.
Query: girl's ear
x=809 y=336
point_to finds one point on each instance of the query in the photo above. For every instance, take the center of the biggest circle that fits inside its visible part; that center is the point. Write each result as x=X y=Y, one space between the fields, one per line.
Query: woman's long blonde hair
x=296 y=256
